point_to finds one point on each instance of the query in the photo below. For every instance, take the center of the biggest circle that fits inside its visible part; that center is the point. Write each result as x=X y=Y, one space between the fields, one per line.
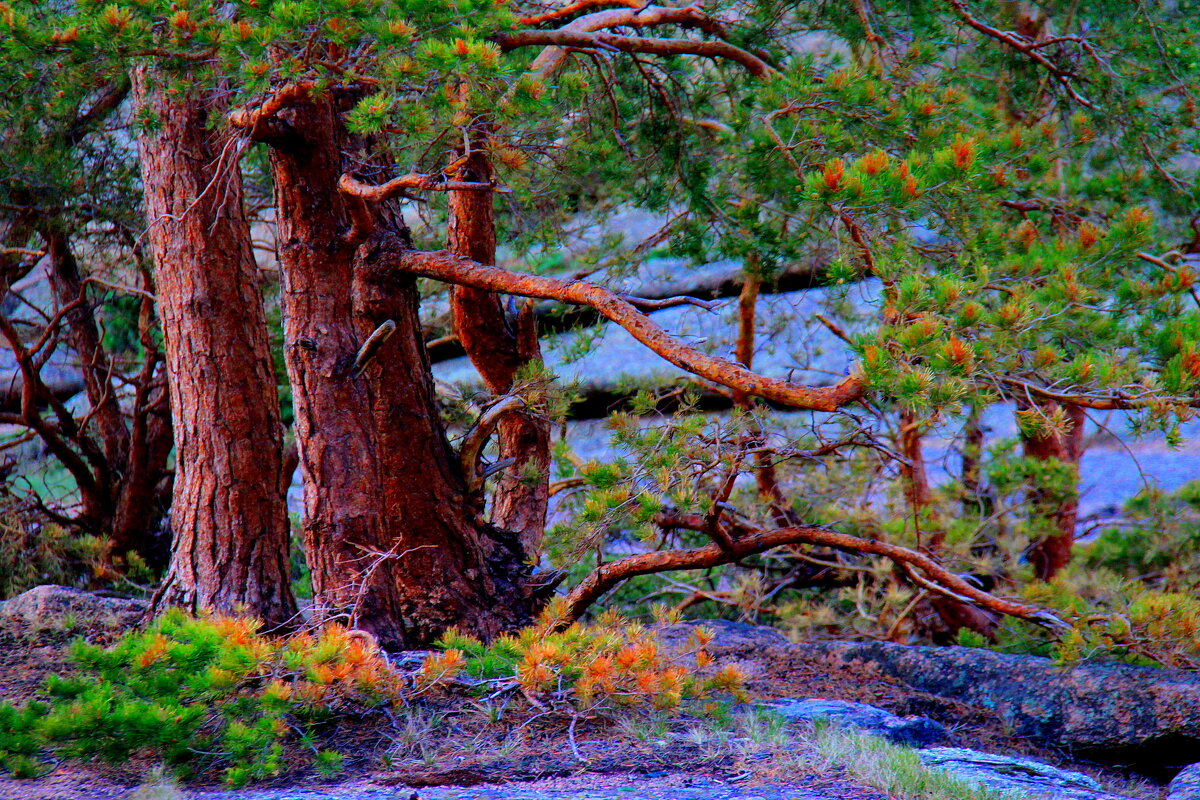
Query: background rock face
x=1186 y=785
x=1114 y=713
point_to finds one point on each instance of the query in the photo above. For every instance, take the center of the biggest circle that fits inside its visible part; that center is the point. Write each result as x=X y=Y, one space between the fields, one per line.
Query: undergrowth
x=896 y=771
x=212 y=695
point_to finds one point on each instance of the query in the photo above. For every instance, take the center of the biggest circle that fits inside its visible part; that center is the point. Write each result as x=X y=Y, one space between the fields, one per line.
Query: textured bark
x=392 y=535
x=949 y=614
x=229 y=513
x=1061 y=509
x=500 y=347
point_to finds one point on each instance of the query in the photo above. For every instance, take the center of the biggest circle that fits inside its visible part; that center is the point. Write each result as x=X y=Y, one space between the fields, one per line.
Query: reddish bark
x=228 y=513
x=501 y=347
x=1060 y=509
x=451 y=268
x=915 y=480
x=392 y=534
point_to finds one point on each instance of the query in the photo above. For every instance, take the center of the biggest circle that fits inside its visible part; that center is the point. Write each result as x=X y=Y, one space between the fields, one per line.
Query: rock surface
x=729 y=638
x=1015 y=776
x=1186 y=785
x=1108 y=712
x=53 y=606
x=912 y=731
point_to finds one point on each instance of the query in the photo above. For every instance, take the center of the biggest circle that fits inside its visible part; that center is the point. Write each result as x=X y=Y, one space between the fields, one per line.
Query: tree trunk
x=228 y=512
x=501 y=347
x=1060 y=509
x=915 y=480
x=393 y=537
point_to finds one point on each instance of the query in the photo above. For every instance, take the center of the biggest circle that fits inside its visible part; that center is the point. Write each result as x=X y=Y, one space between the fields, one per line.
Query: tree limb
x=629 y=44
x=447 y=267
x=939 y=579
x=471 y=449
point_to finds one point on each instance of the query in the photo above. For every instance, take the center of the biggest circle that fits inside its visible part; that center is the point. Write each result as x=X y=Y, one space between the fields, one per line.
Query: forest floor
x=677 y=759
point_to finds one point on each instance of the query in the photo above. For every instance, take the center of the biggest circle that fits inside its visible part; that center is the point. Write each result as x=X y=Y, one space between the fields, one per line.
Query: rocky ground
x=1011 y=723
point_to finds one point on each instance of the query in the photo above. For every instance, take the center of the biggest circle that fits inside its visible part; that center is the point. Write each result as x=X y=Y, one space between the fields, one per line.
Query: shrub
x=200 y=694
x=213 y=693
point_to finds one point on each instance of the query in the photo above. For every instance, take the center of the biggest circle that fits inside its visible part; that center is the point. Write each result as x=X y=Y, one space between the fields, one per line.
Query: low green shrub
x=199 y=694
x=214 y=694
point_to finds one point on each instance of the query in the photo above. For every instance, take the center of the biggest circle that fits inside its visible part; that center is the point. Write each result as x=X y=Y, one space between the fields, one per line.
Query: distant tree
x=68 y=185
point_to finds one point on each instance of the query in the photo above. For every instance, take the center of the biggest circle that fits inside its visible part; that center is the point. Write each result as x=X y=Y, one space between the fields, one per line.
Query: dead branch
x=471 y=449
x=649 y=304
x=449 y=268
x=370 y=347
x=577 y=7
x=359 y=194
x=557 y=40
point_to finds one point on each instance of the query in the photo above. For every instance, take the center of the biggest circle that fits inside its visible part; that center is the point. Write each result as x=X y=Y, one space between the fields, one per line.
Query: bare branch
x=938 y=578
x=648 y=304
x=471 y=449
x=447 y=267
x=359 y=194
x=556 y=40
x=577 y=7
x=1022 y=45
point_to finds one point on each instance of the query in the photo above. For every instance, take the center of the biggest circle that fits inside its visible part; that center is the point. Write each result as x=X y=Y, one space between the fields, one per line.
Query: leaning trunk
x=393 y=537
x=228 y=512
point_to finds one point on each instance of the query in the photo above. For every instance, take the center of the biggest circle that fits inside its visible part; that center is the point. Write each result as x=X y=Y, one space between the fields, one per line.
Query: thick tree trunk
x=1060 y=509
x=229 y=512
x=392 y=534
x=501 y=347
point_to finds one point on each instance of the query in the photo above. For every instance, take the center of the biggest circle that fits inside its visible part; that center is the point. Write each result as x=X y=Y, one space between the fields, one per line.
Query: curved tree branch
x=449 y=268
x=557 y=40
x=938 y=578
x=359 y=194
x=471 y=449
x=583 y=32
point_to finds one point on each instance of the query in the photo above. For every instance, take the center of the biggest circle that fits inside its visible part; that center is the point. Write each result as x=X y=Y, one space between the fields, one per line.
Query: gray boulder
x=912 y=731
x=730 y=638
x=1014 y=776
x=53 y=607
x=1114 y=713
x=1186 y=785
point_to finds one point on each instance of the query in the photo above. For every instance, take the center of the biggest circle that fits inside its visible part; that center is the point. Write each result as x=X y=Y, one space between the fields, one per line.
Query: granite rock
x=911 y=731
